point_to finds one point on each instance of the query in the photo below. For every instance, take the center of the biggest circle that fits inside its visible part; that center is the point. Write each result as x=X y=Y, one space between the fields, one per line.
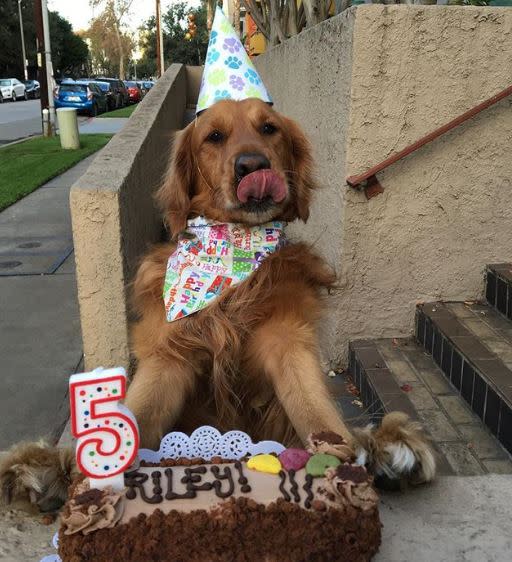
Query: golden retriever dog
x=250 y=360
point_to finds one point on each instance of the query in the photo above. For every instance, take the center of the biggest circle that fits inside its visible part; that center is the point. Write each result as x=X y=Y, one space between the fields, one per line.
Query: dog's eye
x=215 y=137
x=268 y=129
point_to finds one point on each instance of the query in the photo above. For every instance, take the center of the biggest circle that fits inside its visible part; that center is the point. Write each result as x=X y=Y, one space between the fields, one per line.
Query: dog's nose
x=248 y=162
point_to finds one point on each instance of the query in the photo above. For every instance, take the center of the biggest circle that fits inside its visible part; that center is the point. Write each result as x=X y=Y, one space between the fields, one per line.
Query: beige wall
x=115 y=219
x=363 y=84
x=366 y=84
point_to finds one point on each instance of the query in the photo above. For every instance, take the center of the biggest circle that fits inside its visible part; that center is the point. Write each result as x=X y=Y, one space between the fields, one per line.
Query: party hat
x=228 y=72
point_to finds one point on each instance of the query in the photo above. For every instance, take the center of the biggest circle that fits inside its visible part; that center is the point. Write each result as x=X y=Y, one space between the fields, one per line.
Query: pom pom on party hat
x=228 y=72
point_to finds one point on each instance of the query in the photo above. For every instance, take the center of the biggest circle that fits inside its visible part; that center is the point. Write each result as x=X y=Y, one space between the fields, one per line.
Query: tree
x=280 y=19
x=69 y=52
x=176 y=47
x=107 y=57
x=113 y=17
x=11 y=63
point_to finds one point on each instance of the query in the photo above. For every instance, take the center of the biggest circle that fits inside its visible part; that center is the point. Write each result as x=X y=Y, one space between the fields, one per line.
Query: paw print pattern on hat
x=252 y=92
x=233 y=62
x=236 y=82
x=221 y=95
x=231 y=45
x=213 y=38
x=253 y=77
x=217 y=77
x=212 y=56
x=229 y=72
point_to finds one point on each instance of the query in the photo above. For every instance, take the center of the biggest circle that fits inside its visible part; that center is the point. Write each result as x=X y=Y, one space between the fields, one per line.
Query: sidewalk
x=40 y=340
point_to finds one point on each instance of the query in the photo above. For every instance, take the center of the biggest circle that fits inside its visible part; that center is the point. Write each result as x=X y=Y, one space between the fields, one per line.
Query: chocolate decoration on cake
x=90 y=497
x=354 y=473
x=157 y=489
x=328 y=437
x=192 y=477
x=242 y=480
x=217 y=485
x=135 y=480
x=330 y=443
x=294 y=490
x=170 y=495
x=282 y=478
x=307 y=489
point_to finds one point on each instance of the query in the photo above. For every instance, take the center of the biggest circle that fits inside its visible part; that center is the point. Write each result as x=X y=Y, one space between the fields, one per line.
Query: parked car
x=13 y=89
x=124 y=90
x=143 y=88
x=134 y=92
x=120 y=90
x=86 y=97
x=108 y=90
x=33 y=89
x=1 y=97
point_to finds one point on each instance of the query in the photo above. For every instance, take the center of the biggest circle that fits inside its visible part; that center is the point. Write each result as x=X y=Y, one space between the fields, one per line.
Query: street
x=22 y=119
x=19 y=119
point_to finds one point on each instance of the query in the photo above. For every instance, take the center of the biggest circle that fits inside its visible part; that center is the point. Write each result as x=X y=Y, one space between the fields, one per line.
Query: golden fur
x=38 y=473
x=251 y=359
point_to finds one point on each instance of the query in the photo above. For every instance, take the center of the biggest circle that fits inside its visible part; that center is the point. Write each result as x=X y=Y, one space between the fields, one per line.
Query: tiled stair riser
x=464 y=360
x=397 y=374
x=380 y=391
x=498 y=288
x=371 y=377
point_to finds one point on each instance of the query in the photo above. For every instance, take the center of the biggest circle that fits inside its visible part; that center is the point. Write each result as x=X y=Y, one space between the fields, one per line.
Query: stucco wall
x=366 y=84
x=115 y=219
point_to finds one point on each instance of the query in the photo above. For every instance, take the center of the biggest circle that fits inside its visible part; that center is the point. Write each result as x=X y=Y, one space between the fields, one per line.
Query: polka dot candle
x=106 y=431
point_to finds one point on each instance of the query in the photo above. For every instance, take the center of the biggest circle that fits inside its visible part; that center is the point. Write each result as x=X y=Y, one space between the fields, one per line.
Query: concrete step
x=348 y=400
x=397 y=374
x=498 y=287
x=472 y=345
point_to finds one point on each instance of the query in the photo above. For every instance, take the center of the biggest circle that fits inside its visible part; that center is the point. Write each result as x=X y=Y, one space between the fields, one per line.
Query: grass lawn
x=27 y=165
x=123 y=112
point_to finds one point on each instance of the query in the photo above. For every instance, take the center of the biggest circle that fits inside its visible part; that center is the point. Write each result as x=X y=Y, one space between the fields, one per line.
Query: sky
x=79 y=12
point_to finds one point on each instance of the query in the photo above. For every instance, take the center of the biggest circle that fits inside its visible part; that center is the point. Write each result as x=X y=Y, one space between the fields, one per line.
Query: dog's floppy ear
x=176 y=190
x=303 y=178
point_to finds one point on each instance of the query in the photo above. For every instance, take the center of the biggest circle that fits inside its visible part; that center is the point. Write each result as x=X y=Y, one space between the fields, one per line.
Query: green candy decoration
x=319 y=463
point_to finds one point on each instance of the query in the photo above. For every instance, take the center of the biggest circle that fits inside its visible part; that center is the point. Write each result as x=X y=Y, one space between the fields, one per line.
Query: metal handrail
x=370 y=175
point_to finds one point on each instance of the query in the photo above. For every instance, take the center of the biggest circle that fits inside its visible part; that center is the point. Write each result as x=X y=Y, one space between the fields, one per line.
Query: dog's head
x=239 y=161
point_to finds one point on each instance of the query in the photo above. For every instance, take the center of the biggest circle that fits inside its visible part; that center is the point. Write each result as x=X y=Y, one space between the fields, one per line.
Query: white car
x=13 y=89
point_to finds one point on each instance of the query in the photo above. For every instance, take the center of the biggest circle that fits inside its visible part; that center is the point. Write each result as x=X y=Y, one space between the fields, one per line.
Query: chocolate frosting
x=351 y=486
x=91 y=510
x=330 y=443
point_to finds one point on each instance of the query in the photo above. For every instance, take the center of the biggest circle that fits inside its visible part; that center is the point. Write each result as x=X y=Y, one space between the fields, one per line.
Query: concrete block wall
x=115 y=218
x=364 y=85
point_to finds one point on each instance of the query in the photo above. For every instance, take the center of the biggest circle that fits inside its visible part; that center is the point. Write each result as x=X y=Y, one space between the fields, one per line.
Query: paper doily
x=207 y=442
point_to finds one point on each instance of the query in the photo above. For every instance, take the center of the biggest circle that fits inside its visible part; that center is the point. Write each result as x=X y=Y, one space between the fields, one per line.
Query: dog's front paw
x=397 y=451
x=38 y=473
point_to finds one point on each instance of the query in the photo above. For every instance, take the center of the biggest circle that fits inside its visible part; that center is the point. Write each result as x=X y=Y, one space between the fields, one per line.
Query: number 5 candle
x=106 y=431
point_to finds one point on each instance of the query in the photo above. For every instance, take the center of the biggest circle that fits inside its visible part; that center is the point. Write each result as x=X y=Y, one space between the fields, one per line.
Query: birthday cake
x=291 y=505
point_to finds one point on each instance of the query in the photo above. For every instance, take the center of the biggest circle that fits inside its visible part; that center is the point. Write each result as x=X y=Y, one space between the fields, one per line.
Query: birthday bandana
x=210 y=257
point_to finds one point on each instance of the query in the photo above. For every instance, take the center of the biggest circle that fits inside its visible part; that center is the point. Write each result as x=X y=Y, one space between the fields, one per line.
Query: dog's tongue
x=261 y=184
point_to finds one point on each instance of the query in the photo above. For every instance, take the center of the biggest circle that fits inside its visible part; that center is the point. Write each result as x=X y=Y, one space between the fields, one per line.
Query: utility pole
x=49 y=67
x=24 y=54
x=159 y=41
x=41 y=60
x=44 y=66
